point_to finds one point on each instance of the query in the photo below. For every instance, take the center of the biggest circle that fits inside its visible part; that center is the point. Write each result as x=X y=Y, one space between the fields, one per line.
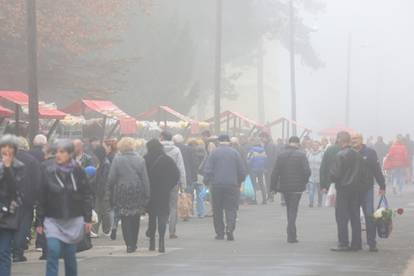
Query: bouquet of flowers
x=383 y=218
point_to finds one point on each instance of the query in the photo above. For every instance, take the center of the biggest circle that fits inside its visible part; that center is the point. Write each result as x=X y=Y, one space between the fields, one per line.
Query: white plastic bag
x=331 y=196
x=95 y=219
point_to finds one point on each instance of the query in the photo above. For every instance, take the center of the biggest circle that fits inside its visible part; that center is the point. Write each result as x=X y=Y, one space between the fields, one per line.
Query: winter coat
x=11 y=186
x=348 y=170
x=291 y=173
x=224 y=167
x=163 y=177
x=198 y=155
x=328 y=160
x=64 y=194
x=100 y=181
x=397 y=157
x=128 y=184
x=315 y=161
x=271 y=153
x=256 y=160
x=372 y=169
x=31 y=179
x=38 y=153
x=172 y=151
x=382 y=150
x=187 y=155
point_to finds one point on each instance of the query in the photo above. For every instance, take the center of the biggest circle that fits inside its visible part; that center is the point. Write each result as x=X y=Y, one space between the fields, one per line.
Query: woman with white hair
x=128 y=190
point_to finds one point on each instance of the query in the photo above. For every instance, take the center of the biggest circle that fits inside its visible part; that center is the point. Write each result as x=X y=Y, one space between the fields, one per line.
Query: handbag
x=247 y=189
x=84 y=244
x=331 y=196
x=384 y=228
x=11 y=221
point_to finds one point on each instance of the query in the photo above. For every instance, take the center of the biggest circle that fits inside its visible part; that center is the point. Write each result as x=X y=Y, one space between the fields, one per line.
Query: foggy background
x=150 y=52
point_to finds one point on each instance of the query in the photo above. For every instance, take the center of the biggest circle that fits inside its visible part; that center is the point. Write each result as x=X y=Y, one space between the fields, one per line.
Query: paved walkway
x=259 y=249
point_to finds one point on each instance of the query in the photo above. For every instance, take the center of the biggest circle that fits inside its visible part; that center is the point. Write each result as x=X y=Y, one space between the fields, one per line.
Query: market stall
x=286 y=128
x=333 y=131
x=20 y=102
x=111 y=116
x=236 y=123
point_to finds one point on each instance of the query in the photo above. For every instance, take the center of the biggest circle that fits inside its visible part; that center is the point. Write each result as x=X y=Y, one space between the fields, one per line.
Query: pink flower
x=400 y=211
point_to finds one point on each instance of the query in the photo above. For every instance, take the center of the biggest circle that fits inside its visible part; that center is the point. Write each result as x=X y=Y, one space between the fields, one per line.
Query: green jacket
x=328 y=161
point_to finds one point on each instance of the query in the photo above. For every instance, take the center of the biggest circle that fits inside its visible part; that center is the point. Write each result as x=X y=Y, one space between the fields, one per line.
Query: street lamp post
x=217 y=91
x=32 y=68
x=292 y=63
x=348 y=82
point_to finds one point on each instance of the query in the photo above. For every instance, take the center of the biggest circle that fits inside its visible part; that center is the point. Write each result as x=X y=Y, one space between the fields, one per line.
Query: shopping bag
x=331 y=196
x=384 y=225
x=84 y=244
x=248 y=189
x=185 y=204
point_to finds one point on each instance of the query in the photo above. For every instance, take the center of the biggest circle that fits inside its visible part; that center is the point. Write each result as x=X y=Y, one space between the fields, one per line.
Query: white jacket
x=174 y=152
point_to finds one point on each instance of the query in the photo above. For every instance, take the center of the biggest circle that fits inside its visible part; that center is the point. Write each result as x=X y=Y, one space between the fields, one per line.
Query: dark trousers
x=292 y=204
x=130 y=229
x=157 y=221
x=225 y=200
x=20 y=236
x=258 y=183
x=348 y=209
x=367 y=204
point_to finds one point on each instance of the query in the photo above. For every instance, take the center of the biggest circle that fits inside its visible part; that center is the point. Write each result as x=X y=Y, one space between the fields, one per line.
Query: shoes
x=341 y=248
x=373 y=249
x=39 y=249
x=173 y=237
x=19 y=259
x=292 y=241
x=131 y=249
x=93 y=235
x=161 y=247
x=219 y=237
x=113 y=234
x=152 y=244
x=230 y=236
x=356 y=249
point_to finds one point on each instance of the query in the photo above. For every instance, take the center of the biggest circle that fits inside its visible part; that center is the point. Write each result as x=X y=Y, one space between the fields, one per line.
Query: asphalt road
x=260 y=248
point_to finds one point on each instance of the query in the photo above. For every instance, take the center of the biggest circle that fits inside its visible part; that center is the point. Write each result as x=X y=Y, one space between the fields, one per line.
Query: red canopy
x=5 y=113
x=333 y=131
x=21 y=99
x=168 y=110
x=127 y=123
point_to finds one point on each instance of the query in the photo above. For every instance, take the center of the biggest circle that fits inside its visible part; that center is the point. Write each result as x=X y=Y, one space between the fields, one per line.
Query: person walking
x=198 y=152
x=396 y=163
x=271 y=151
x=347 y=174
x=289 y=177
x=30 y=186
x=372 y=173
x=256 y=160
x=12 y=172
x=128 y=190
x=64 y=211
x=99 y=186
x=81 y=157
x=163 y=176
x=38 y=149
x=315 y=156
x=224 y=172
x=382 y=149
x=172 y=151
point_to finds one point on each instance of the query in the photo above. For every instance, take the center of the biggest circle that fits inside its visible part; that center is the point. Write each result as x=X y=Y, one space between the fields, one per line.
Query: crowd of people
x=70 y=190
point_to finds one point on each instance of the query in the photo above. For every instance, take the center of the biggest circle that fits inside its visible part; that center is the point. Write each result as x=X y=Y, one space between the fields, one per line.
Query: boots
x=152 y=244
x=161 y=247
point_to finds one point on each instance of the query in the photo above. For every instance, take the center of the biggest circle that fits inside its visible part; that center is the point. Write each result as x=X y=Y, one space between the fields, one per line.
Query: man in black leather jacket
x=289 y=177
x=347 y=174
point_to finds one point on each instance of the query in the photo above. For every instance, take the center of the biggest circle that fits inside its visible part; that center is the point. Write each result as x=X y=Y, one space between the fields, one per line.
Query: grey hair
x=23 y=144
x=65 y=144
x=178 y=139
x=40 y=140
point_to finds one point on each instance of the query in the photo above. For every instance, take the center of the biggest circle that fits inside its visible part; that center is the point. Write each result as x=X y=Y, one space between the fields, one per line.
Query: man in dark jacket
x=31 y=182
x=289 y=177
x=347 y=174
x=382 y=149
x=224 y=172
x=271 y=151
x=38 y=149
x=372 y=170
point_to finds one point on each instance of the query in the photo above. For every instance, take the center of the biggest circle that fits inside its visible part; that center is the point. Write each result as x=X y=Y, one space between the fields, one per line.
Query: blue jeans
x=398 y=175
x=55 y=249
x=6 y=237
x=314 y=188
x=367 y=204
x=199 y=197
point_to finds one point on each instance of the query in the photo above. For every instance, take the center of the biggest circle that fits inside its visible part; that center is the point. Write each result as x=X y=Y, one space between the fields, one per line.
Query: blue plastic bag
x=248 y=190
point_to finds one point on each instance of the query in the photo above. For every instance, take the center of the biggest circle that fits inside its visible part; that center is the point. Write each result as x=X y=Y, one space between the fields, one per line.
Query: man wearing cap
x=290 y=177
x=224 y=172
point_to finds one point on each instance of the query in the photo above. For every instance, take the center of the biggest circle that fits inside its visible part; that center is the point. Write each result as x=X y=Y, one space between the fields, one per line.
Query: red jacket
x=397 y=157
